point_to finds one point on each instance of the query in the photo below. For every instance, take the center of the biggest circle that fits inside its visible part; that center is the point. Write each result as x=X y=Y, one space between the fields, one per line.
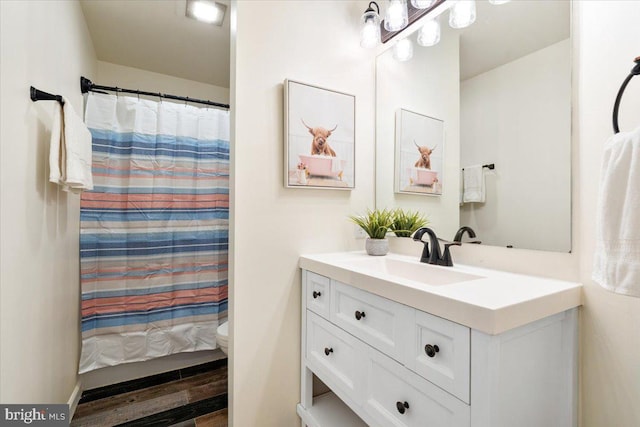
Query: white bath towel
x=617 y=255
x=473 y=188
x=70 y=150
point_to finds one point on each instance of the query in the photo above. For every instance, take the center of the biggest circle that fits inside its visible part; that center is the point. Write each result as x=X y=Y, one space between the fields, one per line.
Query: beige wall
x=608 y=39
x=312 y=42
x=45 y=44
x=109 y=74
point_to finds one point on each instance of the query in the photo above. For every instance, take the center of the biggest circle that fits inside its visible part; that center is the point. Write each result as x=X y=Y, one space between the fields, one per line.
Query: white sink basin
x=415 y=271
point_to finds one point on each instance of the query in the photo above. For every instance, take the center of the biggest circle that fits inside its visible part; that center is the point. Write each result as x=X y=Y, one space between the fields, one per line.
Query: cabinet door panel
x=381 y=323
x=318 y=294
x=398 y=397
x=334 y=356
x=441 y=353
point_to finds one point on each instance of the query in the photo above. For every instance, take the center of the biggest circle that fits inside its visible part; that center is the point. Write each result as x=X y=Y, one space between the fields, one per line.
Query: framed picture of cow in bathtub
x=319 y=128
x=419 y=154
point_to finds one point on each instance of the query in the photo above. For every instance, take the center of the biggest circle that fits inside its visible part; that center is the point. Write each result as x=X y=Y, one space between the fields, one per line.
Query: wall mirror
x=502 y=88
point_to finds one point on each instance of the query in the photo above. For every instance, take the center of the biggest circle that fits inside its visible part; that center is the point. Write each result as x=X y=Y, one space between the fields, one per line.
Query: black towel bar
x=491 y=166
x=634 y=72
x=38 y=95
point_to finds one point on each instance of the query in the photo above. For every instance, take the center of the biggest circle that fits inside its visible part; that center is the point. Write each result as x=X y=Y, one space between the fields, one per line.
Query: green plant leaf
x=375 y=222
x=405 y=223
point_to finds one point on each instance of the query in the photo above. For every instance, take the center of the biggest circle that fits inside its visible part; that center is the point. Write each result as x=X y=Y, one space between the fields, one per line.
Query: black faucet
x=469 y=231
x=434 y=256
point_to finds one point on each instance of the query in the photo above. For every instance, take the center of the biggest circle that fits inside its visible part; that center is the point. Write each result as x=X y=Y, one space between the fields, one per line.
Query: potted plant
x=376 y=224
x=405 y=223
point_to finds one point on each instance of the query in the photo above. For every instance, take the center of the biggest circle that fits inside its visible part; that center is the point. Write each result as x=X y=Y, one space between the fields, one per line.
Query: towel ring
x=634 y=72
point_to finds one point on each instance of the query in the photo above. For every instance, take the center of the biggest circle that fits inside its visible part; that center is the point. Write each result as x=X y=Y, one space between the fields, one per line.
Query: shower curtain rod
x=87 y=85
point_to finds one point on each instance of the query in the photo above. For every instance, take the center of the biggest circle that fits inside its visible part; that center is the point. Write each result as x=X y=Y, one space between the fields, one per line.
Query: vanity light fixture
x=403 y=50
x=422 y=4
x=207 y=11
x=462 y=14
x=370 y=32
x=429 y=34
x=397 y=16
x=499 y=1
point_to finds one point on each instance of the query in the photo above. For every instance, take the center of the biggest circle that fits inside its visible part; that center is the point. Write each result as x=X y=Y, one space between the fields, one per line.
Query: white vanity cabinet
x=390 y=364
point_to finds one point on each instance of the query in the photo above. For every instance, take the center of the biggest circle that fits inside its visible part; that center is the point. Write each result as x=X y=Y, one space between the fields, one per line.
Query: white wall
x=434 y=92
x=45 y=44
x=608 y=39
x=313 y=42
x=109 y=74
x=518 y=116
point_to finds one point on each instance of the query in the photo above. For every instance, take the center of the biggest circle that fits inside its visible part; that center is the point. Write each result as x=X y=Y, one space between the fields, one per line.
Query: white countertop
x=494 y=303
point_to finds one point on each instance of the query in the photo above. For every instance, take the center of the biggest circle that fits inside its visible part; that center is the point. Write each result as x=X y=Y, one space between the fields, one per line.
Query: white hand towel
x=70 y=150
x=56 y=146
x=473 y=190
x=617 y=255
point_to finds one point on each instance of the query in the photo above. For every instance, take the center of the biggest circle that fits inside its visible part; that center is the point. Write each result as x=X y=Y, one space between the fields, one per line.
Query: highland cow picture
x=319 y=137
x=419 y=154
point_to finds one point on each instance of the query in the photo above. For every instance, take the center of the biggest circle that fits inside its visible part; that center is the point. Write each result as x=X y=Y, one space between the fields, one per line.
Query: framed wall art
x=419 y=154
x=319 y=128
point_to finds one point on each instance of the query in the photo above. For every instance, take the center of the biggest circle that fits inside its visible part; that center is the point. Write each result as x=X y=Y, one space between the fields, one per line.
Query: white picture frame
x=319 y=137
x=419 y=154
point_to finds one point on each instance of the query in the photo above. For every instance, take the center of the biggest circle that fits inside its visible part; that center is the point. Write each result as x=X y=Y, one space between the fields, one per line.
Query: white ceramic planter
x=377 y=247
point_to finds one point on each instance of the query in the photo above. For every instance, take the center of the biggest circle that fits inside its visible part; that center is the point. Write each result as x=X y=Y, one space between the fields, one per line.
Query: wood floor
x=190 y=397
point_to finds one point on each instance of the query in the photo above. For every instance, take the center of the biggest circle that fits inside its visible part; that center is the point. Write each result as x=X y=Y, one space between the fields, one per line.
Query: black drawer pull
x=402 y=406
x=359 y=315
x=316 y=294
x=431 y=350
x=328 y=351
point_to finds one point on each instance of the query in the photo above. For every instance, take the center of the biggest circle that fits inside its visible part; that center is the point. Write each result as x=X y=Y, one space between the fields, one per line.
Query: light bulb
x=397 y=16
x=462 y=14
x=499 y=1
x=429 y=34
x=423 y=4
x=403 y=50
x=370 y=32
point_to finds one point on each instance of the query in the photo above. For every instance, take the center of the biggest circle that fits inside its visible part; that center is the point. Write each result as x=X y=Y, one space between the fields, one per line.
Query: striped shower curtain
x=154 y=231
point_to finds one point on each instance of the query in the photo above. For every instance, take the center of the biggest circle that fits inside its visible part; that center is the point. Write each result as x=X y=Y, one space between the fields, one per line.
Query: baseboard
x=75 y=398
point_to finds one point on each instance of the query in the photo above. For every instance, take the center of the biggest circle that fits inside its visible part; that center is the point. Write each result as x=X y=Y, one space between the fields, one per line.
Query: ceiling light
x=462 y=14
x=397 y=16
x=429 y=34
x=206 y=11
x=499 y=1
x=423 y=4
x=370 y=32
x=403 y=50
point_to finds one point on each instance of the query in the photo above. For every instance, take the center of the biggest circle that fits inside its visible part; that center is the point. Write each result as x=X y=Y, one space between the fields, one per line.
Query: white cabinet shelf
x=329 y=411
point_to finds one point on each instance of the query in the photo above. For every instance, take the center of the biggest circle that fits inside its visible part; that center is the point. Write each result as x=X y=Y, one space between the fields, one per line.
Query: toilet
x=222 y=337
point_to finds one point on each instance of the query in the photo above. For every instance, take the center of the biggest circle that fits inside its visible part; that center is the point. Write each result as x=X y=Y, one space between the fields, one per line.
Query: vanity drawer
x=381 y=323
x=441 y=353
x=318 y=293
x=397 y=397
x=335 y=356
